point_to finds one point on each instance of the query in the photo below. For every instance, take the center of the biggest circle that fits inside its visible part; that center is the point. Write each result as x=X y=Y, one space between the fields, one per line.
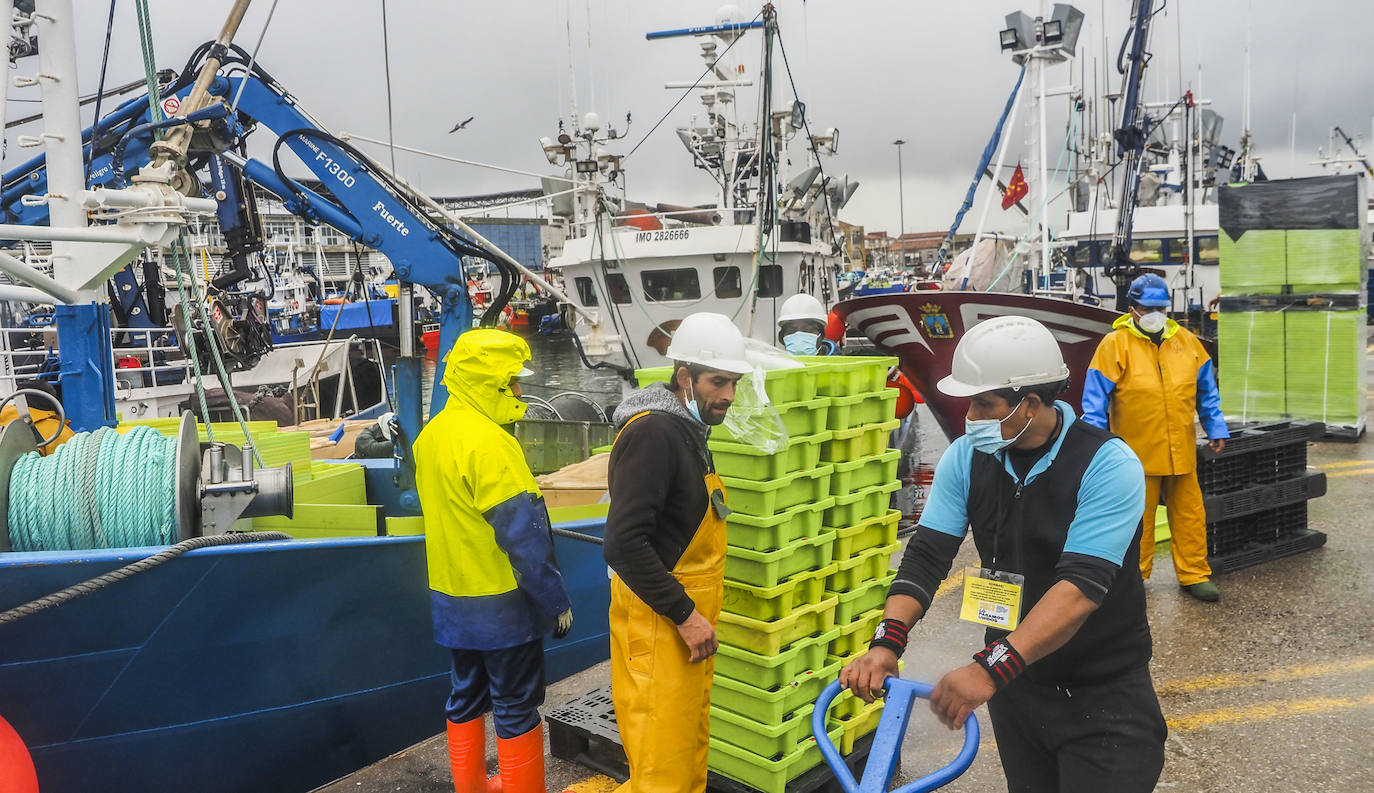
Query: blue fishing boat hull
x=269 y=667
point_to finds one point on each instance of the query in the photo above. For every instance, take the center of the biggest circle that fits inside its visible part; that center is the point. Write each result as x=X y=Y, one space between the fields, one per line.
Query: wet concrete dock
x=1272 y=689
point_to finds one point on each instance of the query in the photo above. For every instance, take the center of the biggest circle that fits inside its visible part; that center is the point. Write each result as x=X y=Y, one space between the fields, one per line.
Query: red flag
x=1016 y=190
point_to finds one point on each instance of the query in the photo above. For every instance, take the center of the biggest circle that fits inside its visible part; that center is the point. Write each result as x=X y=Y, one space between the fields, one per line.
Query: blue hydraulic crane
x=1130 y=146
x=363 y=202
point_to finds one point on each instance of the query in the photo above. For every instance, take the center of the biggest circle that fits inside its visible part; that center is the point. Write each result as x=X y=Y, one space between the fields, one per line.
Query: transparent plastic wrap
x=753 y=419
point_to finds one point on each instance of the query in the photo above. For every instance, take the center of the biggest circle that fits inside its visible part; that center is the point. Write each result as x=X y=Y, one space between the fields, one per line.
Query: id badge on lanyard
x=992 y=597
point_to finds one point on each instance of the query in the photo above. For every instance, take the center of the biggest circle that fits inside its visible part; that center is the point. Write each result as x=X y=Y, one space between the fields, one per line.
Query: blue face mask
x=802 y=343
x=986 y=434
x=692 y=406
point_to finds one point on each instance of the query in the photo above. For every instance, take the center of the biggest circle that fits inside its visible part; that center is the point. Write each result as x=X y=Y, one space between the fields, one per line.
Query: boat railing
x=678 y=218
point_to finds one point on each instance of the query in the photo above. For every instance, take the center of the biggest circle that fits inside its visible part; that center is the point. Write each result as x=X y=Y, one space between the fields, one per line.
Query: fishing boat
x=637 y=269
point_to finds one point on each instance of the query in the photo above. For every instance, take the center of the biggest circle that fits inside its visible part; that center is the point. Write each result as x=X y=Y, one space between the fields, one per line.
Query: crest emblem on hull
x=935 y=322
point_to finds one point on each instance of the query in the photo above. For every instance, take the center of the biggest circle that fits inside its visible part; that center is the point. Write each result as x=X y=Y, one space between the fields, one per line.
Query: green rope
x=183 y=261
x=145 y=39
x=98 y=490
x=195 y=359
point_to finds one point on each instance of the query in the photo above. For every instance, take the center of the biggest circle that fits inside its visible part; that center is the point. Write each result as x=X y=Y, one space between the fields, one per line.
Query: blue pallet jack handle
x=887 y=741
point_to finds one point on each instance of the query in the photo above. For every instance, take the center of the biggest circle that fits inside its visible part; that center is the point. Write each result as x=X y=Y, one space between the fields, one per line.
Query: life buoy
x=907 y=395
x=16 y=765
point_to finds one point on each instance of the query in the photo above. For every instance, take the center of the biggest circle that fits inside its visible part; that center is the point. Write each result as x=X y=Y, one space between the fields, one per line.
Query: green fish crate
x=797 y=384
x=858 y=725
x=870 y=564
x=865 y=535
x=754 y=533
x=767 y=740
x=770 y=568
x=864 y=472
x=765 y=774
x=863 y=441
x=1317 y=257
x=847 y=412
x=745 y=461
x=800 y=418
x=844 y=375
x=773 y=671
x=858 y=507
x=1256 y=263
x=770 y=706
x=764 y=499
x=769 y=638
x=769 y=604
x=865 y=597
x=855 y=636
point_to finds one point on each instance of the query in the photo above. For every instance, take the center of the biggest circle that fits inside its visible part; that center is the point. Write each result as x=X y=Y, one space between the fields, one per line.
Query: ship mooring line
x=1267 y=711
x=1301 y=672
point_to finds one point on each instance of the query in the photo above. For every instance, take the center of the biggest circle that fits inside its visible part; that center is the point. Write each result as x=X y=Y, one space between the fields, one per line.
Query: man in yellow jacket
x=495 y=587
x=1150 y=377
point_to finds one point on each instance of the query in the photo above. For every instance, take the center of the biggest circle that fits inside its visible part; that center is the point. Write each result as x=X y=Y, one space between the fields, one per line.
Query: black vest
x=1022 y=529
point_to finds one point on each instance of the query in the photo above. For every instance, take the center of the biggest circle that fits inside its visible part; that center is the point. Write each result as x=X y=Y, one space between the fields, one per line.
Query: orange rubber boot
x=522 y=762
x=467 y=755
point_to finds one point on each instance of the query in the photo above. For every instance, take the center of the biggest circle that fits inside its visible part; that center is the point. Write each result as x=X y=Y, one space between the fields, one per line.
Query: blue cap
x=1149 y=290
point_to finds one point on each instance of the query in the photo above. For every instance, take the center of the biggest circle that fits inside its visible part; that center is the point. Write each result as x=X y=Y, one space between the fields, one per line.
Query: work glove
x=563 y=626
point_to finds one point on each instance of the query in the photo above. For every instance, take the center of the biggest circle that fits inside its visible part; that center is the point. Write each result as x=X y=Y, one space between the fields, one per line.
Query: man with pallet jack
x=1054 y=506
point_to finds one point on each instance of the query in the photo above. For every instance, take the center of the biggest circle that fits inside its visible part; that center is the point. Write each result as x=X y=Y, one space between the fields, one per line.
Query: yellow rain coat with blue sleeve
x=493 y=579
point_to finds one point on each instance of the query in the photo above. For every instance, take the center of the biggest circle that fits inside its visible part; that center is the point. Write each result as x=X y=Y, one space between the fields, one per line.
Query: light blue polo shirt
x=1111 y=498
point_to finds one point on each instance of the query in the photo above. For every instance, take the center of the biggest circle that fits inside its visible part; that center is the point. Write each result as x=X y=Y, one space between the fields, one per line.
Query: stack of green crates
x=1294 y=276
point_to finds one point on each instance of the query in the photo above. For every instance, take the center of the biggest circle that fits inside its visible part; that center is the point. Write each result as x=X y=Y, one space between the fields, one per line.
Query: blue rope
x=988 y=151
x=98 y=490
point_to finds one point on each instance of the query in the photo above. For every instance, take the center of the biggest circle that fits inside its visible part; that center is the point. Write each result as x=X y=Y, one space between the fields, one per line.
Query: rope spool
x=99 y=490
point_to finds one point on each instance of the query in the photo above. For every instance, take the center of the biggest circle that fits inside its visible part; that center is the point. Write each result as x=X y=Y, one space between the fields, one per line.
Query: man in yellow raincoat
x=495 y=587
x=665 y=540
x=1147 y=380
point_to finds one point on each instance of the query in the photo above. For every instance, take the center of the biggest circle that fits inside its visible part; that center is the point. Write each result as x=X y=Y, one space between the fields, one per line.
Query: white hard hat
x=1004 y=352
x=384 y=421
x=801 y=306
x=710 y=340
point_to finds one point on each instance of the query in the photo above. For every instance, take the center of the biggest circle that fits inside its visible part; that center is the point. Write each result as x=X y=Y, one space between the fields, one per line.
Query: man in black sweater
x=665 y=540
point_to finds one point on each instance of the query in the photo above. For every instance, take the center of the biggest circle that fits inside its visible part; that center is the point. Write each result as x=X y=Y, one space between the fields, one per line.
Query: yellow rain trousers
x=1188 y=543
x=662 y=700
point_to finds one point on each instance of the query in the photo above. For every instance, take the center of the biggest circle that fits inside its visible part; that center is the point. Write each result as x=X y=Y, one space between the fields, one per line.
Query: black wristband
x=1001 y=661
x=891 y=634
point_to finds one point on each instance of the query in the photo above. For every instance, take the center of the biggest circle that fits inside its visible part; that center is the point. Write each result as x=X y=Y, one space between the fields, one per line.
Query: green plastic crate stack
x=1294 y=275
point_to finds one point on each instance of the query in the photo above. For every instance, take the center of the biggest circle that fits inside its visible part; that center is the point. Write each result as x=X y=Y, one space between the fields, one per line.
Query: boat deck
x=1270 y=689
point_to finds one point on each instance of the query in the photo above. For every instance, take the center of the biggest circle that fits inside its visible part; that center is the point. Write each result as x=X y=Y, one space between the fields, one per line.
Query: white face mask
x=1152 y=322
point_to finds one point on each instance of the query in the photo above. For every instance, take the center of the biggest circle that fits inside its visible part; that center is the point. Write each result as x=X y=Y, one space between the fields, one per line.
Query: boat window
x=586 y=291
x=727 y=282
x=1208 y=251
x=679 y=284
x=1083 y=254
x=1147 y=251
x=618 y=287
x=770 y=280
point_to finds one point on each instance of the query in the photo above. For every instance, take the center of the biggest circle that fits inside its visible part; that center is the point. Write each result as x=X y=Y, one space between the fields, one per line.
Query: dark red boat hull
x=923 y=328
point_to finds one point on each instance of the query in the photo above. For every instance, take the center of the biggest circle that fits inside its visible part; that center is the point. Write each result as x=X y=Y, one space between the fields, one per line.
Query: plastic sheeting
x=1318 y=202
x=985 y=269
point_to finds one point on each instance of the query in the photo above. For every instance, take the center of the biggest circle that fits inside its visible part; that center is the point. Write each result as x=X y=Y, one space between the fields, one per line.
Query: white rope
x=233 y=106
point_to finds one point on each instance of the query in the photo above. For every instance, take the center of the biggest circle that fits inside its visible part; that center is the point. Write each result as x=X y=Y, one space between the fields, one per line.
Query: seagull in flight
x=459 y=126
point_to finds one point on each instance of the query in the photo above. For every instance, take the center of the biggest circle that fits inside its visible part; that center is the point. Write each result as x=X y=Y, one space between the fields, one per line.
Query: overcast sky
x=878 y=70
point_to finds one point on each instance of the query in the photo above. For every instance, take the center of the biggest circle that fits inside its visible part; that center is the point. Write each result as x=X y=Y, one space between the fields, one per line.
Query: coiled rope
x=98 y=490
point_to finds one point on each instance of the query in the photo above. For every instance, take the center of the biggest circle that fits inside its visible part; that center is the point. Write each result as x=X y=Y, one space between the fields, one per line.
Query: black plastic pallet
x=1346 y=433
x=584 y=731
x=1254 y=437
x=1221 y=506
x=1304 y=540
x=1265 y=527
